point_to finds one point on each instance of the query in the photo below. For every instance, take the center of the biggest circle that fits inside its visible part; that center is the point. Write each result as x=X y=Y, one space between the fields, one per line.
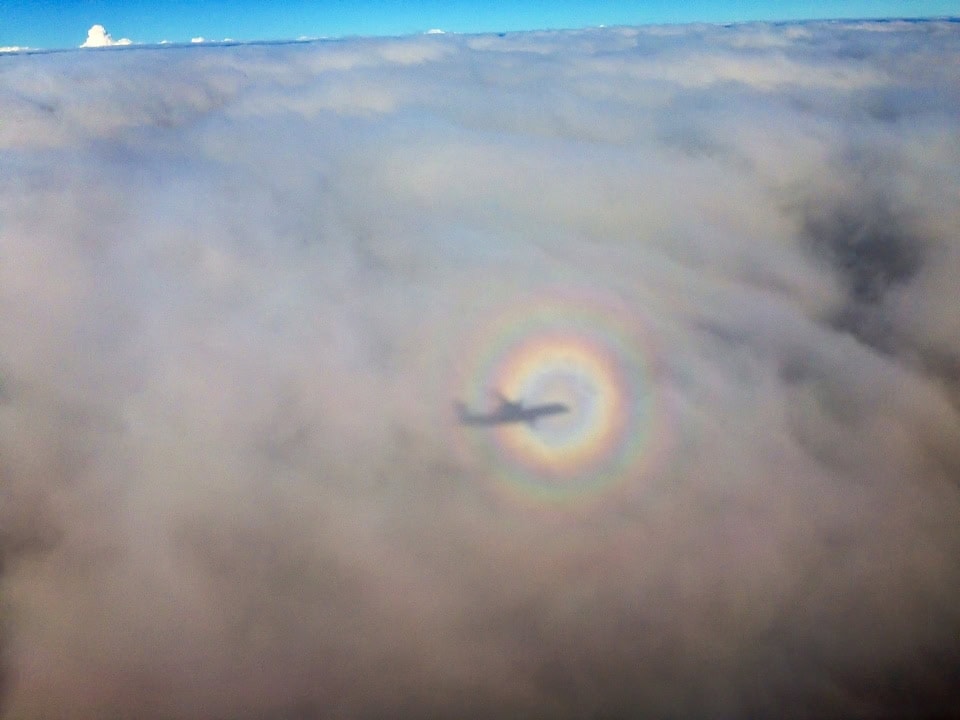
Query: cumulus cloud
x=242 y=288
x=97 y=36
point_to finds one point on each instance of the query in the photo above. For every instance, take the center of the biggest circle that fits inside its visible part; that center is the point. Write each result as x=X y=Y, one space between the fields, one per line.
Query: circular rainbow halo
x=571 y=355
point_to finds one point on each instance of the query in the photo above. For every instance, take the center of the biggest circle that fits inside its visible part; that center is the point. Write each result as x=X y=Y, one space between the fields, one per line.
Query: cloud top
x=97 y=36
x=243 y=289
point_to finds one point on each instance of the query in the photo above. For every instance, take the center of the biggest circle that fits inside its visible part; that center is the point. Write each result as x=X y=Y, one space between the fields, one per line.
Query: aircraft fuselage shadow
x=509 y=411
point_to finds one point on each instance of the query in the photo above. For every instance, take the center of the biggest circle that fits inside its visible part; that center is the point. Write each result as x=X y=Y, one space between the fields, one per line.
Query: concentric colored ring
x=579 y=352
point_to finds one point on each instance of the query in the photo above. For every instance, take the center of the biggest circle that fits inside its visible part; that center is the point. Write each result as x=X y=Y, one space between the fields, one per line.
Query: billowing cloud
x=243 y=288
x=97 y=36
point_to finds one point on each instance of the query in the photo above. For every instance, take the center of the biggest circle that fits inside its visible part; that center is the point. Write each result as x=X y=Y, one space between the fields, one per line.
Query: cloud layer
x=242 y=287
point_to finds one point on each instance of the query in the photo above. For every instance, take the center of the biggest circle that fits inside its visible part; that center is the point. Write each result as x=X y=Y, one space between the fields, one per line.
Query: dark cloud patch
x=872 y=250
x=242 y=287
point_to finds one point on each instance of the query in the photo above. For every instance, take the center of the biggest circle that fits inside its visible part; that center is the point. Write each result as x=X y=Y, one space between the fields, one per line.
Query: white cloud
x=197 y=40
x=435 y=31
x=12 y=48
x=97 y=36
x=242 y=289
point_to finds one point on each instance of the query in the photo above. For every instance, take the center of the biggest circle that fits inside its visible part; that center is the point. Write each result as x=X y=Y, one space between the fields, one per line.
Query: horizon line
x=439 y=32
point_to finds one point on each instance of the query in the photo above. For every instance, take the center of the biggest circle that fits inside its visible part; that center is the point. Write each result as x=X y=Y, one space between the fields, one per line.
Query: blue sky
x=64 y=23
